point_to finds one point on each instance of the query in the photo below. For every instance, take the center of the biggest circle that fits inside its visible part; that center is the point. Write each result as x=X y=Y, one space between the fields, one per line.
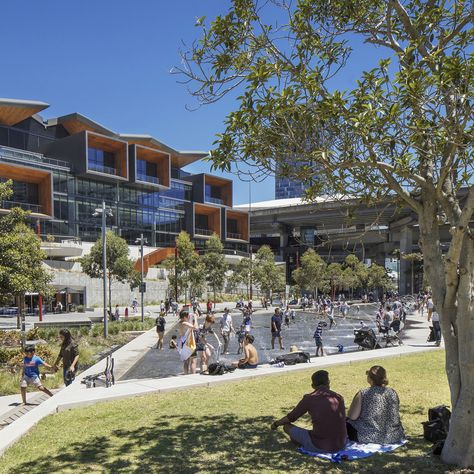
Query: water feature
x=166 y=363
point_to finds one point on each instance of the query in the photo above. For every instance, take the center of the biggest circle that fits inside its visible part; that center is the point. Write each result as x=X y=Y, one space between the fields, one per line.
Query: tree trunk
x=453 y=293
x=459 y=446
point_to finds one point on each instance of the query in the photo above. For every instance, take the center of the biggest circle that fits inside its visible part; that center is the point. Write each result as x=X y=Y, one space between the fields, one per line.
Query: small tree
x=379 y=278
x=119 y=267
x=334 y=275
x=215 y=266
x=312 y=272
x=186 y=271
x=267 y=275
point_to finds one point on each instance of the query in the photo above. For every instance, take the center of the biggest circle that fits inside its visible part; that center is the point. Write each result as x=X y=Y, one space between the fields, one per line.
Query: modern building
x=286 y=187
x=336 y=228
x=64 y=167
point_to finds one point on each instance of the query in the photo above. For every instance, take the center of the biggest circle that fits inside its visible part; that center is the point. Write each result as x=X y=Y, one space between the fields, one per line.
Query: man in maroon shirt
x=328 y=415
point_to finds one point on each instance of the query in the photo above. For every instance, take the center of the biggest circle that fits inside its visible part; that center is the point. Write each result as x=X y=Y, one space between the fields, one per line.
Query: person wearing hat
x=327 y=411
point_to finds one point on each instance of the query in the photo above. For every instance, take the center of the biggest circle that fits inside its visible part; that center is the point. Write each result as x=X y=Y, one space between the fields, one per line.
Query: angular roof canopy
x=75 y=123
x=13 y=111
x=178 y=158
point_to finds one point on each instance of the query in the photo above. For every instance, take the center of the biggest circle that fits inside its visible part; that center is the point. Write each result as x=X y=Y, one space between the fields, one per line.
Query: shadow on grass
x=214 y=444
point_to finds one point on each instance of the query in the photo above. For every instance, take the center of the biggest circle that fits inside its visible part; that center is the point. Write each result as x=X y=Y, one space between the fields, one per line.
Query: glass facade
x=136 y=208
x=100 y=160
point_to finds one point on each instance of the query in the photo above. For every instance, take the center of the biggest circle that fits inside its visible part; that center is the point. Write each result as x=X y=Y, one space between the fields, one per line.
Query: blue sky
x=110 y=60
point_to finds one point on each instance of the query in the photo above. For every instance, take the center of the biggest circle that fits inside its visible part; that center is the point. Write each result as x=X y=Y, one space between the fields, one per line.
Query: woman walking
x=69 y=354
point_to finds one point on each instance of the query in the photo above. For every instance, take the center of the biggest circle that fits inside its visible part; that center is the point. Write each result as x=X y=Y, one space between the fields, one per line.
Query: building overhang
x=13 y=111
x=42 y=178
x=75 y=123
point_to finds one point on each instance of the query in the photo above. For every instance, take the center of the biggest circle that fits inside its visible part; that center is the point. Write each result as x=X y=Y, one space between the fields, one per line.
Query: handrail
x=147 y=178
x=234 y=235
x=23 y=155
x=102 y=168
x=214 y=200
x=23 y=205
x=202 y=231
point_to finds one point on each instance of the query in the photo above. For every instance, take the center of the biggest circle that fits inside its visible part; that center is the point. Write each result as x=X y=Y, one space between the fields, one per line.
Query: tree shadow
x=213 y=444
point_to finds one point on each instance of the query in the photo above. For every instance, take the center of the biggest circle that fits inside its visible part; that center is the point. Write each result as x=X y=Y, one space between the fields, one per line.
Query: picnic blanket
x=353 y=451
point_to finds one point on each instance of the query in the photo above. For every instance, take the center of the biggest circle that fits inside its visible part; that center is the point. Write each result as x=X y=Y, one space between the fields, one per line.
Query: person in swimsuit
x=250 y=359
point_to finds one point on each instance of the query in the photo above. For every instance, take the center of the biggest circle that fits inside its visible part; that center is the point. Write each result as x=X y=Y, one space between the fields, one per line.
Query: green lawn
x=225 y=428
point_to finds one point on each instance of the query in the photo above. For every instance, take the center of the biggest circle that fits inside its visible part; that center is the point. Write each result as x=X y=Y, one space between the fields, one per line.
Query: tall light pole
x=104 y=212
x=142 y=285
x=250 y=243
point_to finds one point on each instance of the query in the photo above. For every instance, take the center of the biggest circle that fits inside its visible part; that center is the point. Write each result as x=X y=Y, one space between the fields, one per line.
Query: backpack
x=218 y=368
x=437 y=427
x=294 y=358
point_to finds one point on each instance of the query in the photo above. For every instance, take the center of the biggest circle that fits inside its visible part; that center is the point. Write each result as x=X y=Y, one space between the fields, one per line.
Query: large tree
x=403 y=131
x=214 y=263
x=119 y=266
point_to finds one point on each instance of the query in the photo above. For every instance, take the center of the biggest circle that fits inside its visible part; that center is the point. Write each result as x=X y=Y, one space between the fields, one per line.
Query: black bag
x=293 y=358
x=437 y=427
x=217 y=368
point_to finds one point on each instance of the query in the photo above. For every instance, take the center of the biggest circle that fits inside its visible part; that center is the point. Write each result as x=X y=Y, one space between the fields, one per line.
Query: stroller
x=365 y=338
x=391 y=335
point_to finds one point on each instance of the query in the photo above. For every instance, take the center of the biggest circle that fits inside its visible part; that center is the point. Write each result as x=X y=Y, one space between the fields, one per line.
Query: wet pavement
x=166 y=363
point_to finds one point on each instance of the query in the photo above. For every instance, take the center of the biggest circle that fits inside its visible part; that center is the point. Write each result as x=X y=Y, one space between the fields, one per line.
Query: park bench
x=62 y=324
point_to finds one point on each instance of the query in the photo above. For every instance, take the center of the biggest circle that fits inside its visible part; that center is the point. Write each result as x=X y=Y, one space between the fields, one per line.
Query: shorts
x=276 y=334
x=303 y=437
x=247 y=366
x=319 y=342
x=26 y=380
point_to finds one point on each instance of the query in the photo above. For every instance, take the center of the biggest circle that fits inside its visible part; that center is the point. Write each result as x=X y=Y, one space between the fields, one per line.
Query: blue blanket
x=354 y=451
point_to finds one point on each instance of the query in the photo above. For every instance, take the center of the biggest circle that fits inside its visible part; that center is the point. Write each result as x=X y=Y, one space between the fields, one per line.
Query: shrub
x=80 y=308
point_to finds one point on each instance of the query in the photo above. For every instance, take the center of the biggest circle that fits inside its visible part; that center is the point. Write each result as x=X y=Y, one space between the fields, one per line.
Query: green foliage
x=266 y=273
x=21 y=257
x=215 y=266
x=190 y=270
x=311 y=274
x=119 y=266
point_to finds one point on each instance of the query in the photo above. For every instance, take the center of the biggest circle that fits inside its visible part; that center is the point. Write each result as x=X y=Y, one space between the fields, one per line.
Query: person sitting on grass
x=250 y=359
x=30 y=374
x=327 y=412
x=374 y=414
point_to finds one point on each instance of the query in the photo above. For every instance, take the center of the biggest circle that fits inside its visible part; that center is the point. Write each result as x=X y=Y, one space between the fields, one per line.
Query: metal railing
x=102 y=168
x=214 y=200
x=23 y=205
x=201 y=231
x=148 y=179
x=13 y=154
x=234 y=235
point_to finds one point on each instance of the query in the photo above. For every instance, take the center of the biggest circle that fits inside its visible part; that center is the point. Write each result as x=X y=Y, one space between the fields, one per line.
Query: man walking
x=226 y=329
x=276 y=328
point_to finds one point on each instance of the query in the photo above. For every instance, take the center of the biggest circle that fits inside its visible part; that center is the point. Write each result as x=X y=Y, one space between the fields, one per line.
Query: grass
x=90 y=341
x=225 y=428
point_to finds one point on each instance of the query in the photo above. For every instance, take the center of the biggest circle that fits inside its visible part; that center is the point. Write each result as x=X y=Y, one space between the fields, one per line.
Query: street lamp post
x=142 y=286
x=104 y=212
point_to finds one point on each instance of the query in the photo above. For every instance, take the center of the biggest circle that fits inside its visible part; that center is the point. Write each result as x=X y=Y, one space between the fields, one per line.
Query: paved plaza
x=166 y=363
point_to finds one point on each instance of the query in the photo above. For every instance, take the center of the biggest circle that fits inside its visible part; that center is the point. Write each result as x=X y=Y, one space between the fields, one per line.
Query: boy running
x=30 y=374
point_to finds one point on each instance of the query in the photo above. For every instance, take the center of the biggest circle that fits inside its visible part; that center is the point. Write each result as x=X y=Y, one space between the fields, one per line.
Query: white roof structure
x=277 y=203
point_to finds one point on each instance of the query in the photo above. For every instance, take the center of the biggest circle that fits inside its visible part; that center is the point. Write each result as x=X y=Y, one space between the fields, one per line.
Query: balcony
x=237 y=225
x=201 y=231
x=214 y=200
x=148 y=179
x=206 y=220
x=102 y=168
x=20 y=156
x=35 y=208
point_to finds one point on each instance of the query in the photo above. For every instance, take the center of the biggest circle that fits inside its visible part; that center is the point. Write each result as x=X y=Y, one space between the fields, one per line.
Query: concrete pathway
x=77 y=395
